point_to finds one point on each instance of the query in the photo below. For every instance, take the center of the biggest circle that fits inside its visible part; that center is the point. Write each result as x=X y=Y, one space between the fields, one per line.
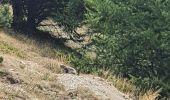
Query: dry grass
x=35 y=62
x=21 y=46
x=45 y=54
x=22 y=42
x=10 y=46
x=150 y=95
x=121 y=83
x=84 y=94
x=127 y=87
x=36 y=80
x=9 y=49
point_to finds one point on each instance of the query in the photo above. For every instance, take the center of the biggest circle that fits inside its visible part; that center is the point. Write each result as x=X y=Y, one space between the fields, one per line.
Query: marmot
x=68 y=69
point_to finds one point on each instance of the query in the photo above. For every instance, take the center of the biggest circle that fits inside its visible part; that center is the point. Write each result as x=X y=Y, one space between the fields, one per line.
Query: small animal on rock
x=68 y=69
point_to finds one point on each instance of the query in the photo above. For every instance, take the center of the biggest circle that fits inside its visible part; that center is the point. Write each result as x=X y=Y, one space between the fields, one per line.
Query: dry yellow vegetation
x=37 y=64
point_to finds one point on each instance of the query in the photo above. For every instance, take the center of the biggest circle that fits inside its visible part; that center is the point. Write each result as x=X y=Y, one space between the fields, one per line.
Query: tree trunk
x=18 y=14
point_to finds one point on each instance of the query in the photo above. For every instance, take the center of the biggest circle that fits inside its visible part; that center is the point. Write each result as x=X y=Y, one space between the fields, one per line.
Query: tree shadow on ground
x=45 y=37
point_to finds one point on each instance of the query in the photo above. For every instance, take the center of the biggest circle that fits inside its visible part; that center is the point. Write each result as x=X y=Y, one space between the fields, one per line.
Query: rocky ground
x=21 y=79
x=93 y=86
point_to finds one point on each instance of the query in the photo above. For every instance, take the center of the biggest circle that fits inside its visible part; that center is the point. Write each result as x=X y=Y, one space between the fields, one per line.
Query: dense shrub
x=29 y=14
x=134 y=40
x=71 y=14
x=5 y=16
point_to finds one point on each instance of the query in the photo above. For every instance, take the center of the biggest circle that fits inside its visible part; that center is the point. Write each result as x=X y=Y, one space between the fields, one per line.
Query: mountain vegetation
x=133 y=40
x=130 y=38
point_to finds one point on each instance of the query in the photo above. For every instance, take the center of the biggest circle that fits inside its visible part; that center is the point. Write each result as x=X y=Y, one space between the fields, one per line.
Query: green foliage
x=133 y=36
x=84 y=65
x=133 y=40
x=5 y=16
x=152 y=83
x=71 y=14
x=29 y=13
x=4 y=1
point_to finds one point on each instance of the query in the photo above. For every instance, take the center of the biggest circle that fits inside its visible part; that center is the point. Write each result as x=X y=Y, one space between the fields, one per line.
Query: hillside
x=29 y=72
x=104 y=42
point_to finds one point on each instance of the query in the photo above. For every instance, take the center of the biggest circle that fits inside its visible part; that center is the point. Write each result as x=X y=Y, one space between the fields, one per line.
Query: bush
x=133 y=40
x=71 y=14
x=5 y=16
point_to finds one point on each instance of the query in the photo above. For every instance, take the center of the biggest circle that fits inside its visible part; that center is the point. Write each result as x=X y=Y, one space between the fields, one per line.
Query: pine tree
x=133 y=39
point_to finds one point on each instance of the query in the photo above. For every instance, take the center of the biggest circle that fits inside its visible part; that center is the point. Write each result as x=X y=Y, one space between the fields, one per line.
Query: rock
x=97 y=87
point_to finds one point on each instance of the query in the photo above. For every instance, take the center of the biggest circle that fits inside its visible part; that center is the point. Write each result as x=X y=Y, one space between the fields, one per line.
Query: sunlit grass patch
x=150 y=95
x=6 y=48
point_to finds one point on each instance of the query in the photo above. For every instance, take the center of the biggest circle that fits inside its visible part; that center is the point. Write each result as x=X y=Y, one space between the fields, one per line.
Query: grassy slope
x=21 y=47
x=21 y=53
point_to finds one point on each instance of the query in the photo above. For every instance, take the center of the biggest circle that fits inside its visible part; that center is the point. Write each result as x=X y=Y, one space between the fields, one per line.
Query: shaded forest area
x=132 y=37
